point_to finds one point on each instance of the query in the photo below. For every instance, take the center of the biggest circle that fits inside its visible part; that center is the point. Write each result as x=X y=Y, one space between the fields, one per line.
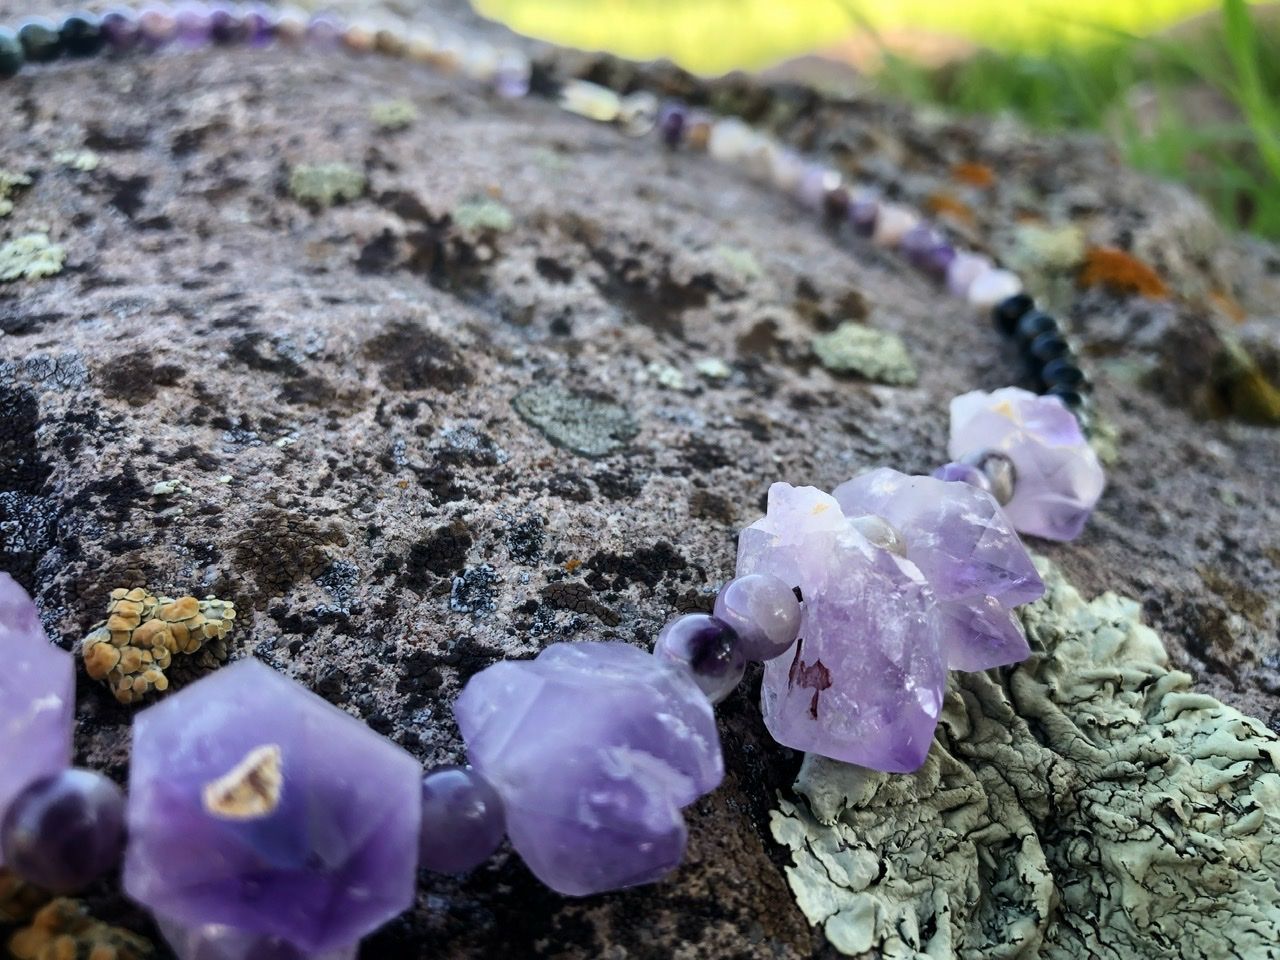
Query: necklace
x=264 y=788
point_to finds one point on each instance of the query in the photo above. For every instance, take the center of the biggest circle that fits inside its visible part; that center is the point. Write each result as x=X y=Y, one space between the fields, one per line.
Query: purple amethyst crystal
x=259 y=813
x=976 y=566
x=594 y=749
x=37 y=697
x=864 y=681
x=1059 y=478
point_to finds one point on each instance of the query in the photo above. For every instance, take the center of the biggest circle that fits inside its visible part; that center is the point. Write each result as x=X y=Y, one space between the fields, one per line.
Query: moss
x=393 y=115
x=323 y=185
x=870 y=353
x=483 y=213
x=1086 y=803
x=30 y=257
x=10 y=184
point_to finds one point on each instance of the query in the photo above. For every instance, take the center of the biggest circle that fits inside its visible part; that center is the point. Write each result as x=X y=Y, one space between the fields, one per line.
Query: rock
x=205 y=313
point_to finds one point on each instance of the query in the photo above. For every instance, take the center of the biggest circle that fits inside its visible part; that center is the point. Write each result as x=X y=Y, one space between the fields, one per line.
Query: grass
x=1197 y=106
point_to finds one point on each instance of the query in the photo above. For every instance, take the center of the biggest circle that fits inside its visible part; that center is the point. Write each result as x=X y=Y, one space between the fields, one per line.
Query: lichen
x=393 y=115
x=84 y=161
x=30 y=257
x=590 y=426
x=131 y=650
x=741 y=261
x=323 y=185
x=483 y=213
x=866 y=351
x=63 y=930
x=11 y=183
x=1086 y=803
x=1121 y=271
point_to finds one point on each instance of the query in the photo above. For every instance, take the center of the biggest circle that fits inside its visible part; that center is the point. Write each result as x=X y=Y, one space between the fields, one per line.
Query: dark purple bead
x=926 y=248
x=259 y=27
x=835 y=203
x=709 y=648
x=157 y=27
x=120 y=30
x=862 y=217
x=63 y=832
x=226 y=28
x=672 y=121
x=462 y=820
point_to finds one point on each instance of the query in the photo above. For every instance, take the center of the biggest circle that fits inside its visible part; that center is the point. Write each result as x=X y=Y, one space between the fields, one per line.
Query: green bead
x=11 y=55
x=40 y=41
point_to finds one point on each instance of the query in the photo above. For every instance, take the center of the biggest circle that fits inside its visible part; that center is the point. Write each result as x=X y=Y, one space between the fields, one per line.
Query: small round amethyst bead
x=157 y=27
x=928 y=250
x=763 y=611
x=63 y=832
x=226 y=26
x=259 y=27
x=709 y=648
x=120 y=31
x=963 y=473
x=862 y=217
x=324 y=32
x=673 y=120
x=193 y=23
x=462 y=820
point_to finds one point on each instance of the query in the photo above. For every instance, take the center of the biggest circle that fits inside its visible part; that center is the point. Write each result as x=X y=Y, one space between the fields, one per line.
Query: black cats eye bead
x=1064 y=372
x=40 y=41
x=1073 y=400
x=1032 y=325
x=11 y=56
x=81 y=35
x=1006 y=314
x=1048 y=346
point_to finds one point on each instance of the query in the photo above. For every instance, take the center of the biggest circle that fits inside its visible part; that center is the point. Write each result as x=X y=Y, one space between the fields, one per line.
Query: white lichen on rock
x=866 y=351
x=11 y=182
x=30 y=257
x=326 y=184
x=1086 y=803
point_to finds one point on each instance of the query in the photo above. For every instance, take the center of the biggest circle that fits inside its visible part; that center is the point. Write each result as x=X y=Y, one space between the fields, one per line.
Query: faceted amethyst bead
x=925 y=248
x=708 y=648
x=1059 y=476
x=37 y=697
x=956 y=472
x=462 y=820
x=594 y=749
x=259 y=27
x=120 y=30
x=257 y=806
x=763 y=611
x=63 y=832
x=226 y=26
x=672 y=119
x=193 y=22
x=862 y=216
x=976 y=566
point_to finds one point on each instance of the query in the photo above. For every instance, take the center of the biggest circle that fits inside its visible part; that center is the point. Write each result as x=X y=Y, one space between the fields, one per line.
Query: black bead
x=1032 y=324
x=226 y=28
x=1073 y=400
x=11 y=55
x=40 y=41
x=1064 y=372
x=1048 y=346
x=81 y=35
x=1007 y=313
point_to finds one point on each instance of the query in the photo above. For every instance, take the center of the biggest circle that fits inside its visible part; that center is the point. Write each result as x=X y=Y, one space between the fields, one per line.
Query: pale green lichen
x=11 y=182
x=740 y=261
x=483 y=213
x=30 y=257
x=392 y=115
x=326 y=184
x=85 y=161
x=1087 y=803
x=585 y=424
x=866 y=351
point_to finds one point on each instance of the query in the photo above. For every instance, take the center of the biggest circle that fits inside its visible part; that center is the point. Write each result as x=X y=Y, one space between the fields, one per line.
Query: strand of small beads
x=262 y=823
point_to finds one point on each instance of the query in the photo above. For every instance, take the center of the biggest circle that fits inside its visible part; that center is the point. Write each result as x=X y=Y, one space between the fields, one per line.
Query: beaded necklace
x=263 y=822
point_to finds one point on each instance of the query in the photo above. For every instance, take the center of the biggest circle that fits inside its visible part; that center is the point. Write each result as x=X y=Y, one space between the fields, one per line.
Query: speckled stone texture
x=335 y=388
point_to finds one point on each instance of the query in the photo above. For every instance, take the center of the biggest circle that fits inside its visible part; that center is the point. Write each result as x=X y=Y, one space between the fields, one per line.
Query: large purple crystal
x=978 y=568
x=260 y=814
x=1059 y=478
x=37 y=697
x=594 y=749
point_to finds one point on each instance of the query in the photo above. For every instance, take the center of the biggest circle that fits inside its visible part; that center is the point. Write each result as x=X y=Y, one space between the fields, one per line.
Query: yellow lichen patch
x=19 y=900
x=63 y=930
x=974 y=175
x=1121 y=271
x=131 y=650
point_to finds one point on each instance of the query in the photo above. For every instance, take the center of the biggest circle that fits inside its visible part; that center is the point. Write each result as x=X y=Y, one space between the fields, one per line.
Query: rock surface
x=332 y=392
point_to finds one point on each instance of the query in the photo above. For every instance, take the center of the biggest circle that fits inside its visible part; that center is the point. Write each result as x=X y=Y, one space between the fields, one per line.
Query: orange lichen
x=63 y=930
x=572 y=564
x=945 y=205
x=1121 y=271
x=974 y=175
x=1228 y=306
x=18 y=899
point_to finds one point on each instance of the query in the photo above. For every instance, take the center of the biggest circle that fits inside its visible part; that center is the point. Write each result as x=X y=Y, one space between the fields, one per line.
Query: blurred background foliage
x=1186 y=89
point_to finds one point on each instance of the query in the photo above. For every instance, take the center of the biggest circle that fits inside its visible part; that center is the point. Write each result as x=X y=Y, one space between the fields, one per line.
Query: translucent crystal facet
x=594 y=749
x=260 y=814
x=1059 y=478
x=37 y=697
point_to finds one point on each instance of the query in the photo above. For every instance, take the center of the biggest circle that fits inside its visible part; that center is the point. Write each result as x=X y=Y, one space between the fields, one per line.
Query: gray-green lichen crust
x=1087 y=803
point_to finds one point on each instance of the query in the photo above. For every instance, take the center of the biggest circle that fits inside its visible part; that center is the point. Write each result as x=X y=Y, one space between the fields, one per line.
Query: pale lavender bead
x=957 y=472
x=259 y=27
x=324 y=32
x=37 y=697
x=1059 y=478
x=157 y=27
x=862 y=216
x=964 y=270
x=257 y=805
x=462 y=820
x=594 y=749
x=193 y=22
x=120 y=31
x=511 y=80
x=763 y=611
x=814 y=184
x=892 y=224
x=708 y=648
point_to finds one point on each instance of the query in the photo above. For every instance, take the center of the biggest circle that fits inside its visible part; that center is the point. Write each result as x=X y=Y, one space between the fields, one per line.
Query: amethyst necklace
x=262 y=822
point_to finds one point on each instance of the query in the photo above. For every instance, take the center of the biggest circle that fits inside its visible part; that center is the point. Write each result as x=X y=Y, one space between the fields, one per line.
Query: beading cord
x=262 y=821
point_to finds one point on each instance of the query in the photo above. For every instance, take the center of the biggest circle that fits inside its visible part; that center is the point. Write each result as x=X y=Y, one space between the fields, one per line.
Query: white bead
x=590 y=100
x=965 y=269
x=893 y=222
x=991 y=287
x=731 y=139
x=785 y=168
